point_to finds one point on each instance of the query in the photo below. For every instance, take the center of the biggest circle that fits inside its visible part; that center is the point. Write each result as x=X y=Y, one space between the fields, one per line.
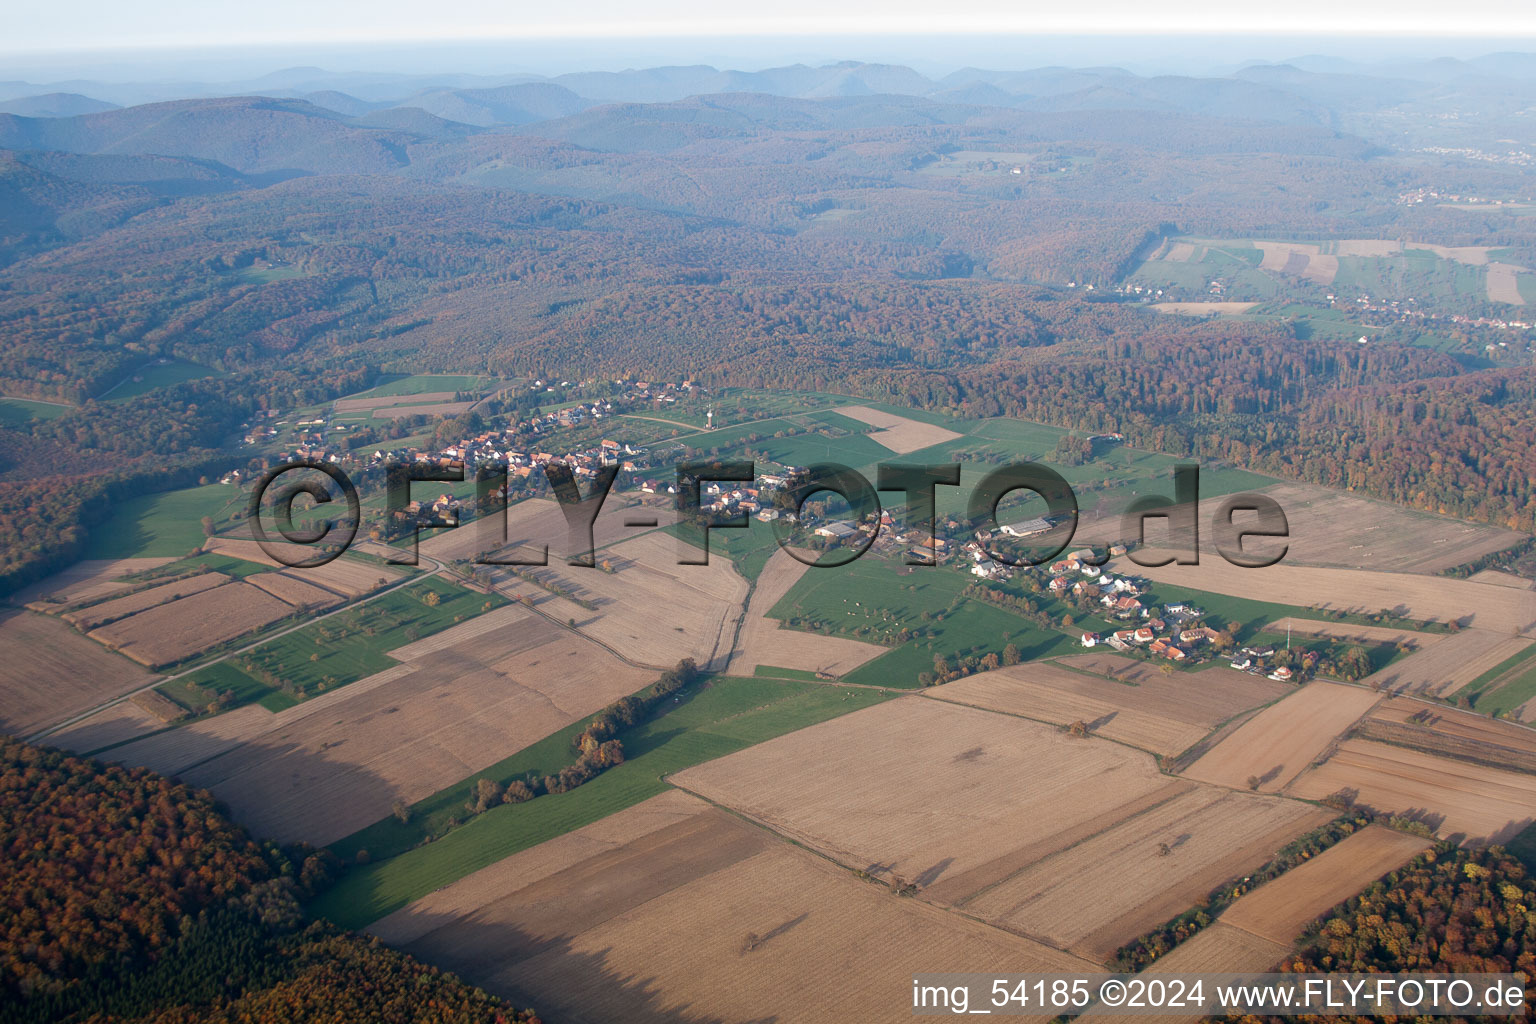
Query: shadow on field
x=549 y=976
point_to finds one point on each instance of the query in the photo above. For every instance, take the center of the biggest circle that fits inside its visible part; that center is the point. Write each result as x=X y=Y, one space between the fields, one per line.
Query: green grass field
x=221 y=677
x=873 y=599
x=18 y=412
x=164 y=524
x=344 y=648
x=1515 y=678
x=148 y=378
x=726 y=715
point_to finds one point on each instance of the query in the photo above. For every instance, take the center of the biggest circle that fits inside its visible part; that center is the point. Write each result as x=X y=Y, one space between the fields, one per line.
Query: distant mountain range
x=1308 y=89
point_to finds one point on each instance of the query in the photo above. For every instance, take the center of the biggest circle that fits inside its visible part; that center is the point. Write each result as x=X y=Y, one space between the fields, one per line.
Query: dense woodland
x=1451 y=910
x=862 y=244
x=125 y=897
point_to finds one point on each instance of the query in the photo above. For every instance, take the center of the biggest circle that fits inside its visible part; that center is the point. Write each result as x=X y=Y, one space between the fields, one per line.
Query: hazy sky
x=76 y=25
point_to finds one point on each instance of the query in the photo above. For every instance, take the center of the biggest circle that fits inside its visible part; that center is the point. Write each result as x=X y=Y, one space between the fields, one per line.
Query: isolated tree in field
x=1011 y=655
x=401 y=811
x=207 y=526
x=431 y=599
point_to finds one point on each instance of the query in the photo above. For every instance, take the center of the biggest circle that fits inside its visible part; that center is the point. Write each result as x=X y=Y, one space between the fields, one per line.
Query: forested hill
x=126 y=898
x=967 y=245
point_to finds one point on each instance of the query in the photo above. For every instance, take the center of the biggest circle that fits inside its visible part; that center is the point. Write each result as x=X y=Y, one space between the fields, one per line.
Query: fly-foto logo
x=1032 y=541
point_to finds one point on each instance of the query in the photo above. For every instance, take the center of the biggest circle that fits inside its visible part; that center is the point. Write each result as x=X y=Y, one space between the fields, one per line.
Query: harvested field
x=442 y=409
x=172 y=752
x=120 y=722
x=898 y=433
x=1162 y=714
x=591 y=930
x=1280 y=909
x=1350 y=632
x=162 y=708
x=366 y=404
x=1218 y=949
x=98 y=614
x=1108 y=889
x=1446 y=666
x=1280 y=741
x=1504 y=284
x=246 y=550
x=1455 y=724
x=1340 y=530
x=1222 y=692
x=917 y=794
x=1482 y=804
x=49 y=673
x=1471 y=255
x=536 y=522
x=466 y=698
x=1202 y=308
x=1436 y=599
x=1502 y=579
x=1179 y=252
x=1367 y=247
x=650 y=609
x=1343 y=530
x=1298 y=260
x=344 y=576
x=176 y=631
x=83 y=581
x=292 y=590
x=764 y=641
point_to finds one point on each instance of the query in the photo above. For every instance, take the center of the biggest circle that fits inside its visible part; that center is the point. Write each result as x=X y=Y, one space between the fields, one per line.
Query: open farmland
x=463 y=699
x=1340 y=530
x=1455 y=797
x=898 y=433
x=174 y=632
x=118 y=723
x=1280 y=741
x=1112 y=887
x=292 y=588
x=48 y=673
x=1349 y=631
x=343 y=405
x=89 y=580
x=1203 y=308
x=1219 y=948
x=1432 y=598
x=917 y=799
x=710 y=720
x=1343 y=530
x=1444 y=667
x=1280 y=909
x=649 y=608
x=1453 y=732
x=1297 y=259
x=1497 y=578
x=912 y=797
x=345 y=576
x=1160 y=714
x=536 y=522
x=102 y=612
x=765 y=641
x=443 y=409
x=719 y=919
x=1504 y=284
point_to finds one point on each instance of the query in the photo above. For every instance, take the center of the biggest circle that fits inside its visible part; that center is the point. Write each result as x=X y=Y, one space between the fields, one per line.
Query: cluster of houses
x=1253 y=659
x=1174 y=644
